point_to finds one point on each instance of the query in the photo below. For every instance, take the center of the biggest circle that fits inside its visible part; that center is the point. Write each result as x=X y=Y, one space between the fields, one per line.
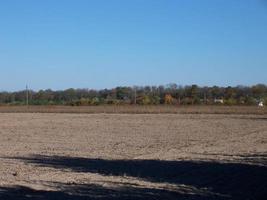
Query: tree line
x=144 y=95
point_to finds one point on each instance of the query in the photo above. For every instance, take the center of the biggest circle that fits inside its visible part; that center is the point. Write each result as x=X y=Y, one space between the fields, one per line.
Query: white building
x=260 y=104
x=219 y=101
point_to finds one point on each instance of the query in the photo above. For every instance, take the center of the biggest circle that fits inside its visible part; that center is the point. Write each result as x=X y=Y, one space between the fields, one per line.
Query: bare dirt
x=126 y=156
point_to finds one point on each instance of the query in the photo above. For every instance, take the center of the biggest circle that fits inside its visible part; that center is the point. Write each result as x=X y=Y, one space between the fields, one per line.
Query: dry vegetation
x=125 y=156
x=131 y=109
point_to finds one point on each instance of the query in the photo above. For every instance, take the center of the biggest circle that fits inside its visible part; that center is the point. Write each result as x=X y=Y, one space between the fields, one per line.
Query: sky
x=107 y=43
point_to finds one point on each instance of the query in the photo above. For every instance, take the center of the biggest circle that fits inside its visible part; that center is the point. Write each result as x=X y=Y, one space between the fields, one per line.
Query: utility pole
x=27 y=96
x=205 y=98
x=135 y=95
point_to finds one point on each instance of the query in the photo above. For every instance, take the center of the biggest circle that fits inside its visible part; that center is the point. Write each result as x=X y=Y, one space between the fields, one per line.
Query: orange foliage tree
x=168 y=99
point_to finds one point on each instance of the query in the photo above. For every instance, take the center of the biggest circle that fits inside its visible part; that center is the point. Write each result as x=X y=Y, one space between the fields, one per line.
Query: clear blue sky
x=60 y=44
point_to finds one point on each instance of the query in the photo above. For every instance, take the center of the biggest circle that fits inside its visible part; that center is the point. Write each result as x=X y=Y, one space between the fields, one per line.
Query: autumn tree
x=168 y=99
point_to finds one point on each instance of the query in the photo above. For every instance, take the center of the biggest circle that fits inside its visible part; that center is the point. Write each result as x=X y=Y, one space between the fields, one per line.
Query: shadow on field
x=207 y=179
x=94 y=192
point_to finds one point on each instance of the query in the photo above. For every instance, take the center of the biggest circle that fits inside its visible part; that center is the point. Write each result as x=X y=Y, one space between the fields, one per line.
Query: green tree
x=146 y=100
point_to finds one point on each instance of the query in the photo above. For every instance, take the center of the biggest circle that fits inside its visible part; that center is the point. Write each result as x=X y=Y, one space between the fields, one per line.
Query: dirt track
x=124 y=156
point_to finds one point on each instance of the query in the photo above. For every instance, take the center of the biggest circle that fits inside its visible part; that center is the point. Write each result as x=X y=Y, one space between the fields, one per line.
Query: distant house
x=219 y=101
x=260 y=104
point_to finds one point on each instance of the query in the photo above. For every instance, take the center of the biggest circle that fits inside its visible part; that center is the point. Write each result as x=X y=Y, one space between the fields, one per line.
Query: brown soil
x=125 y=156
